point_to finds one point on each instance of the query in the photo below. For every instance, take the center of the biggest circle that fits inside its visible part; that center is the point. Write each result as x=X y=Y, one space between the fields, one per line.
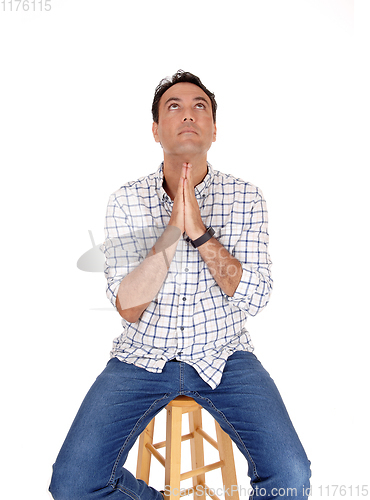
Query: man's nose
x=190 y=119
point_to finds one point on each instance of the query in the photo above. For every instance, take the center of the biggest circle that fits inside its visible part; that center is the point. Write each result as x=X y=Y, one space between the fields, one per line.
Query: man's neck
x=172 y=170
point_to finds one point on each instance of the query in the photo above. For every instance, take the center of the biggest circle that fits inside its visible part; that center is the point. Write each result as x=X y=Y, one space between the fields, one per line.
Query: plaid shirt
x=191 y=319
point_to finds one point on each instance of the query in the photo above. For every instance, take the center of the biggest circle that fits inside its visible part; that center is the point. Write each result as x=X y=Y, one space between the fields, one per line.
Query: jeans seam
x=233 y=428
x=182 y=376
x=129 y=493
x=155 y=403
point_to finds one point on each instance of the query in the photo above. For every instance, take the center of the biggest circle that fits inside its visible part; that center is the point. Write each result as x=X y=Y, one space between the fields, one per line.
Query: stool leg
x=228 y=470
x=197 y=452
x=144 y=455
x=173 y=453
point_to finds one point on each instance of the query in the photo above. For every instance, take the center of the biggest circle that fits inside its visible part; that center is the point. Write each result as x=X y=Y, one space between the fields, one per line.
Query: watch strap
x=202 y=239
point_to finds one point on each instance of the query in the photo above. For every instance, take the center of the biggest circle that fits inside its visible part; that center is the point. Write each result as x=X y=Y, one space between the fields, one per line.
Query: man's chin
x=189 y=150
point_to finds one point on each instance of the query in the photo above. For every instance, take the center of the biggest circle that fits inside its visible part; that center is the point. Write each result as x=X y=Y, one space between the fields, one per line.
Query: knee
x=293 y=478
x=57 y=487
x=66 y=486
x=299 y=473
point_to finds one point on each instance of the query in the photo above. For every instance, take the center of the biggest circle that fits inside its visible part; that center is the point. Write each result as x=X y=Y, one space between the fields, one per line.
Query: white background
x=76 y=89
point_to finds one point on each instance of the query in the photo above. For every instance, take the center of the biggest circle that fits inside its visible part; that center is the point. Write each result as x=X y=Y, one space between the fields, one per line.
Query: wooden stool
x=172 y=462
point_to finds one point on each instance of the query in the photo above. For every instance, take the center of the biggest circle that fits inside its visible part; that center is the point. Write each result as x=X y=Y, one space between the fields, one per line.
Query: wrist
x=203 y=238
x=197 y=233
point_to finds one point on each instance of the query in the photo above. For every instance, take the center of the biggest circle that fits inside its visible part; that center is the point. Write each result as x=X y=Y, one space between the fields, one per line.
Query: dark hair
x=179 y=77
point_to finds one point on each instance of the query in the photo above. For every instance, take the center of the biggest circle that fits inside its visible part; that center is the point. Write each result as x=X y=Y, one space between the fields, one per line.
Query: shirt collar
x=201 y=190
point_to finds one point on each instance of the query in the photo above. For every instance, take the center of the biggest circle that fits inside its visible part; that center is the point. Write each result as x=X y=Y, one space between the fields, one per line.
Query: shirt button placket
x=184 y=331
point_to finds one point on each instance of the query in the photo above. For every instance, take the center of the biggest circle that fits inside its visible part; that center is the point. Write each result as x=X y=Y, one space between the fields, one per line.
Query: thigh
x=121 y=402
x=248 y=406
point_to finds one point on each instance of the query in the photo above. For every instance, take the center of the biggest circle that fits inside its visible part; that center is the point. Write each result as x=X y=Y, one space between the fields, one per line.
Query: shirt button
x=184 y=298
x=186 y=269
x=182 y=328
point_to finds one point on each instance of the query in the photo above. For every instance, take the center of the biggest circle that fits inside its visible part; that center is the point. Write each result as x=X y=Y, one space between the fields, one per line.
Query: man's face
x=185 y=124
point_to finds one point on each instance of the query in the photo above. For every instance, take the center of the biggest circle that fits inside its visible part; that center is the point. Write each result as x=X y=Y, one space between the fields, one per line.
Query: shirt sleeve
x=121 y=248
x=255 y=287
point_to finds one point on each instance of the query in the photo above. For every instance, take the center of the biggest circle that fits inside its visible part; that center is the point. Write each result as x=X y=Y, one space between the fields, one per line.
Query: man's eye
x=174 y=105
x=200 y=104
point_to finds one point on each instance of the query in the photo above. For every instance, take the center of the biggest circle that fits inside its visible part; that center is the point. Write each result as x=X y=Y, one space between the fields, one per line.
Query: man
x=186 y=263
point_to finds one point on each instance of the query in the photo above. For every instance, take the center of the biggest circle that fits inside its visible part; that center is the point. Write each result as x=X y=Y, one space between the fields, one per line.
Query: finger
x=188 y=193
x=188 y=190
x=183 y=172
x=180 y=190
x=191 y=180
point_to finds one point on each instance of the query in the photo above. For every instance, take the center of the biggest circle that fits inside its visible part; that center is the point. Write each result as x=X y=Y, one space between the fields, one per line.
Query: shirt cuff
x=248 y=284
x=112 y=291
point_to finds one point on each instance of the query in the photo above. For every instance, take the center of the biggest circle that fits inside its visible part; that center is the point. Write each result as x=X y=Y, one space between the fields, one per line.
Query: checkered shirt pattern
x=191 y=319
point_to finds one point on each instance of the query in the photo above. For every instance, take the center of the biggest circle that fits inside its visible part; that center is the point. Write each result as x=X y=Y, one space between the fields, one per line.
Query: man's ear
x=155 y=131
x=214 y=133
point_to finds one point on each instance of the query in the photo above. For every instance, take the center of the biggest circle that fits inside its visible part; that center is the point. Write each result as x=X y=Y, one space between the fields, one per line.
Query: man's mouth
x=188 y=131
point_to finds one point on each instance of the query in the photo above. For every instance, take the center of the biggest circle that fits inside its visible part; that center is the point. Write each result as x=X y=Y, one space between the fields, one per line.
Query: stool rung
x=201 y=470
x=185 y=437
x=207 y=437
x=156 y=453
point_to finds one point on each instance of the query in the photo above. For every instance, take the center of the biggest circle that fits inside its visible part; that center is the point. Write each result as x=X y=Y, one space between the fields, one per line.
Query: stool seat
x=183 y=401
x=172 y=461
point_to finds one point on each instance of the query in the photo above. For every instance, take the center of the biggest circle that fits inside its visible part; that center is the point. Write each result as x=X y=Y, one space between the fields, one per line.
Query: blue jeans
x=123 y=400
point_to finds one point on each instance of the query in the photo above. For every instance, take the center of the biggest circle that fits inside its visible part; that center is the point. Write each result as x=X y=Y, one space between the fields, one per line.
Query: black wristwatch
x=205 y=237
